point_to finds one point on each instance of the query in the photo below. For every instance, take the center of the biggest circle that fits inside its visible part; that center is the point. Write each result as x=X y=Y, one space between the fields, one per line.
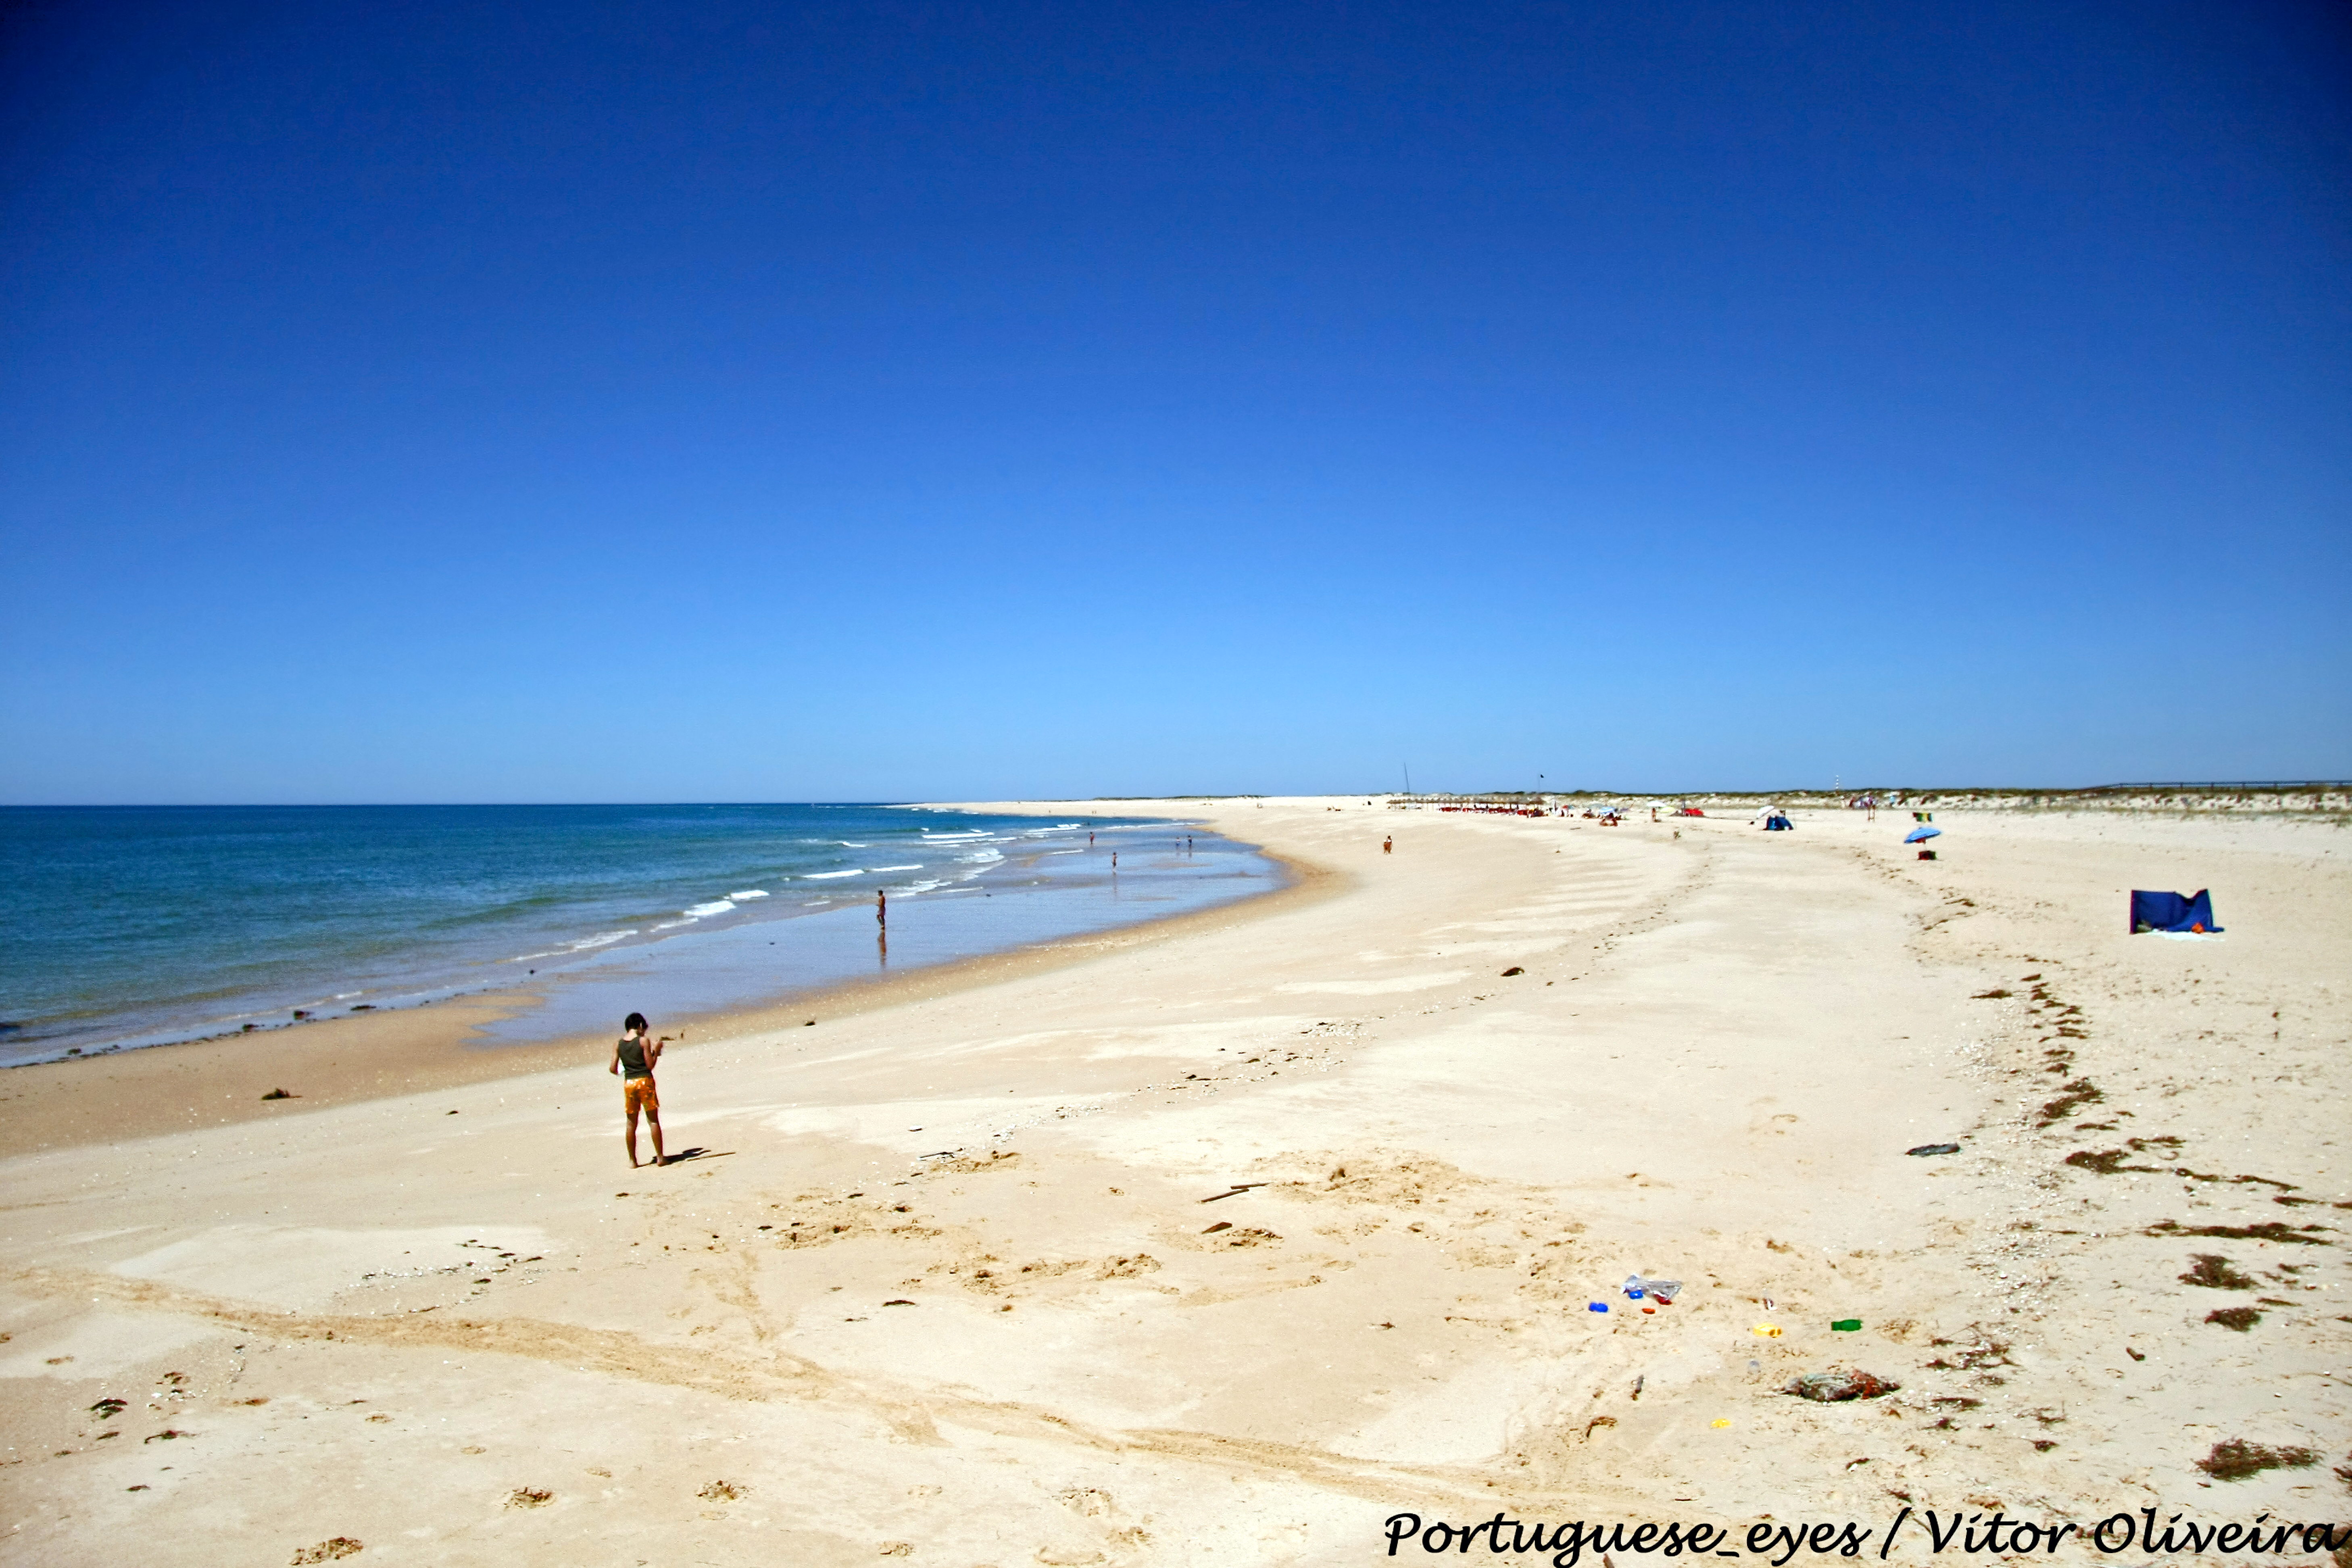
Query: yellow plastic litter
x=1770 y=1330
x=1719 y=1421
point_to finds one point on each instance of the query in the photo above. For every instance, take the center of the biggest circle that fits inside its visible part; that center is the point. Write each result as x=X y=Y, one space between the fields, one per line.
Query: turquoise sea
x=140 y=925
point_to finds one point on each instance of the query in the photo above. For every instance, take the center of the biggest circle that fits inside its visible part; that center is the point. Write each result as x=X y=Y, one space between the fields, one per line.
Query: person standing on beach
x=1387 y=845
x=634 y=1059
x=881 y=908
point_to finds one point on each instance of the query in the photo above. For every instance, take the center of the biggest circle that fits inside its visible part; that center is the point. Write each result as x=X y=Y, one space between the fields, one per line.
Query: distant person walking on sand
x=1387 y=845
x=881 y=908
x=634 y=1059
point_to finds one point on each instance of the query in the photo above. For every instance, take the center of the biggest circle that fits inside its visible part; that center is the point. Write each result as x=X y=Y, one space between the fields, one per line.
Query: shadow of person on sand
x=696 y=1153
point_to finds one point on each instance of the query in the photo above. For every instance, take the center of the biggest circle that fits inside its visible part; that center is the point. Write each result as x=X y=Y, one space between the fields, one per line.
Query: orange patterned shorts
x=637 y=1094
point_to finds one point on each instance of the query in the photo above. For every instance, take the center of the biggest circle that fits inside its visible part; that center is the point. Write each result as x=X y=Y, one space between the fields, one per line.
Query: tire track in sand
x=912 y=1414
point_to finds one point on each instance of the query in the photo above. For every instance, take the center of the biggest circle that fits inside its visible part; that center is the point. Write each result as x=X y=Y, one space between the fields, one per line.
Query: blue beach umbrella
x=1921 y=835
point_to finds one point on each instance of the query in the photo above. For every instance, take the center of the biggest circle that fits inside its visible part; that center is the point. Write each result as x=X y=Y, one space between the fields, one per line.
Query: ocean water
x=131 y=926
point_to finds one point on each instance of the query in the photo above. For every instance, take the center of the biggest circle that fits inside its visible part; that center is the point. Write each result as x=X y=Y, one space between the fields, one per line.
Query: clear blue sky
x=742 y=402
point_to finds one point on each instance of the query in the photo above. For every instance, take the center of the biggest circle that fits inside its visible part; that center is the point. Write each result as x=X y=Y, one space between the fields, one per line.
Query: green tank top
x=633 y=1057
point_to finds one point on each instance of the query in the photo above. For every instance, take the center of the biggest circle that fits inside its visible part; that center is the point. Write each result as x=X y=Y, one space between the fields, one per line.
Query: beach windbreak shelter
x=2170 y=911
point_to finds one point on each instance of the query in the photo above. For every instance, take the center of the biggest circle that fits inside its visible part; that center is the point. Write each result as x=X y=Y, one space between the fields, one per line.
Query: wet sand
x=1223 y=1245
x=343 y=1060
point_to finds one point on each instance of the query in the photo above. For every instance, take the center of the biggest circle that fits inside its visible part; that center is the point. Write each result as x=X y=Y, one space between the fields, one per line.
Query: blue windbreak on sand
x=140 y=924
x=2170 y=911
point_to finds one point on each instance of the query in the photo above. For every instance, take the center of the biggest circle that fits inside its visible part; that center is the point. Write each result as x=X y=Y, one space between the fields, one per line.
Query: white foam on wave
x=748 y=893
x=881 y=868
x=686 y=917
x=913 y=888
x=982 y=858
x=931 y=837
x=845 y=844
x=820 y=876
x=815 y=904
x=603 y=939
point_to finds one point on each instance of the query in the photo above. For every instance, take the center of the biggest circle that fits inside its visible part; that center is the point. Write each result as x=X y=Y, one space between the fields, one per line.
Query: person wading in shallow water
x=634 y=1057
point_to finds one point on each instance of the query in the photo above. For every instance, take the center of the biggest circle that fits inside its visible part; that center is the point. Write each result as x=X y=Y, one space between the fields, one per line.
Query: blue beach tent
x=2170 y=911
x=1921 y=835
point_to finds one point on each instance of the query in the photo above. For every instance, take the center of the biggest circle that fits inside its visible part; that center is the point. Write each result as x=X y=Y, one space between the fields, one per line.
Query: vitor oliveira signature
x=1969 y=1534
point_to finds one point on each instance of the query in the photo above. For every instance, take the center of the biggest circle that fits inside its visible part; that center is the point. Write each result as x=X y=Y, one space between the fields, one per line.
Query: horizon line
x=1847 y=791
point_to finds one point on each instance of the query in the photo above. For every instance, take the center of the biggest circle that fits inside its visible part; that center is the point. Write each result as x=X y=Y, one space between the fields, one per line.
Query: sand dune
x=1226 y=1243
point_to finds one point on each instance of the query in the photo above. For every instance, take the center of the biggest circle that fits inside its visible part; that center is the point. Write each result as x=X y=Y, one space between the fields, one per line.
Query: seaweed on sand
x=2269 y=1230
x=2213 y=1271
x=2234 y=1459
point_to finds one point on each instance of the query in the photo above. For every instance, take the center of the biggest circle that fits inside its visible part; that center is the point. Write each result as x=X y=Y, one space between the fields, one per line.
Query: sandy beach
x=1231 y=1239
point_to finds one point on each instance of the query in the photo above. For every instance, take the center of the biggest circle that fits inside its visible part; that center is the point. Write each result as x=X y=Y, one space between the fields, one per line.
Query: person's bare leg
x=633 y=1138
x=653 y=1122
